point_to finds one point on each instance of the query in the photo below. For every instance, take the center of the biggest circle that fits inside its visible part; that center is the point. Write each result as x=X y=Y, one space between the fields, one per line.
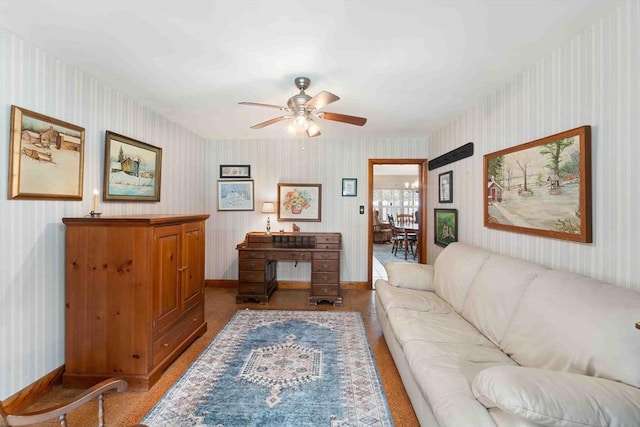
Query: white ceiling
x=408 y=66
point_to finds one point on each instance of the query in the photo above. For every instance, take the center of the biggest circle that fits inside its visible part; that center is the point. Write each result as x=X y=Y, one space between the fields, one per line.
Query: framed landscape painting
x=46 y=158
x=542 y=187
x=445 y=224
x=299 y=202
x=132 y=169
x=235 y=195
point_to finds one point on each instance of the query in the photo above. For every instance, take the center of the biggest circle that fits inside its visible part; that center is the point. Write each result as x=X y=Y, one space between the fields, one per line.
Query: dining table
x=406 y=229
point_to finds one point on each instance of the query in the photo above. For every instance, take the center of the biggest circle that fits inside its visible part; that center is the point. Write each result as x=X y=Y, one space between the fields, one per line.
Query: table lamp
x=268 y=208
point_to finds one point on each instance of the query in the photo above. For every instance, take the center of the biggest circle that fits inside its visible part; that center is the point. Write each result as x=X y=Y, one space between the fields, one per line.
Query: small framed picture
x=445 y=187
x=132 y=169
x=235 y=195
x=445 y=224
x=299 y=202
x=235 y=171
x=349 y=187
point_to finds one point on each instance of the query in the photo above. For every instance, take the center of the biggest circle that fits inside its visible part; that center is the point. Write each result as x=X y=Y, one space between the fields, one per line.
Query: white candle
x=95 y=200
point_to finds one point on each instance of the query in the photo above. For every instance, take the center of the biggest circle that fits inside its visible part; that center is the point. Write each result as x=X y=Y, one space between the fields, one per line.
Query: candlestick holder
x=94 y=214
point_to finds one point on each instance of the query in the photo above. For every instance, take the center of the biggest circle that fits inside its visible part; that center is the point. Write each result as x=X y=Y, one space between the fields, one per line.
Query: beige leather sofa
x=482 y=339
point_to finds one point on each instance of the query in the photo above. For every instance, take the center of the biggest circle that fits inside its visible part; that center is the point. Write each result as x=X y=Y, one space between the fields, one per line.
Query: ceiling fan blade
x=321 y=99
x=270 y=122
x=257 y=104
x=352 y=120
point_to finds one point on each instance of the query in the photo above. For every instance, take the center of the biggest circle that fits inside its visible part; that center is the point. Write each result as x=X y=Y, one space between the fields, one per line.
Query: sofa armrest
x=410 y=275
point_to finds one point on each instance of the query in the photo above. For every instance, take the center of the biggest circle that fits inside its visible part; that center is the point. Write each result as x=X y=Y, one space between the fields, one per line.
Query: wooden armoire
x=134 y=296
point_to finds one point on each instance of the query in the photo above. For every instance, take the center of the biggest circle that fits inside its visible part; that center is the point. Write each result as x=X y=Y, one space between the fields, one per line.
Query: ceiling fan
x=303 y=109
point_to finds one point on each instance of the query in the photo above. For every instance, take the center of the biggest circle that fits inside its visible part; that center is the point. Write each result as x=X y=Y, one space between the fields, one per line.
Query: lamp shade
x=268 y=207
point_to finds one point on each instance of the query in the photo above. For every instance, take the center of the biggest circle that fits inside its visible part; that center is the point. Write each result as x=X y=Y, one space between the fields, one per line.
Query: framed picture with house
x=542 y=187
x=132 y=169
x=46 y=157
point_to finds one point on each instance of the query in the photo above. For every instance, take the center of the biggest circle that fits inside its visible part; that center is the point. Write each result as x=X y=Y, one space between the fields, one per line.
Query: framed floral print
x=299 y=202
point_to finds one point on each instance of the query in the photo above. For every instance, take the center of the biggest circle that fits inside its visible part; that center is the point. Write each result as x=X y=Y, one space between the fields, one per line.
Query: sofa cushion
x=495 y=293
x=568 y=322
x=408 y=325
x=444 y=372
x=454 y=270
x=410 y=275
x=394 y=297
x=559 y=398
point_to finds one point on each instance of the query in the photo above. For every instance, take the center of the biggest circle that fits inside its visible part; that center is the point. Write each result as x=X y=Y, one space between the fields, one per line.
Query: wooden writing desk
x=259 y=253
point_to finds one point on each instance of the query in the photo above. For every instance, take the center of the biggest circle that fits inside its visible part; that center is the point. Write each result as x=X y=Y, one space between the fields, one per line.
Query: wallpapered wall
x=324 y=161
x=590 y=80
x=32 y=234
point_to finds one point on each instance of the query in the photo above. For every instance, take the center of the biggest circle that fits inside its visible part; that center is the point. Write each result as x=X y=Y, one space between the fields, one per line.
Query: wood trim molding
x=282 y=284
x=30 y=394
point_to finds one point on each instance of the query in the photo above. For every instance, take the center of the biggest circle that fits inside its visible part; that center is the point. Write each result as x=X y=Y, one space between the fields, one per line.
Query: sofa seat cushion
x=409 y=325
x=444 y=372
x=559 y=398
x=395 y=297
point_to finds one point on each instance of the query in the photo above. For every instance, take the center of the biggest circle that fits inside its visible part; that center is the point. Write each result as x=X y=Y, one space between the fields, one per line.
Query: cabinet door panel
x=167 y=292
x=192 y=268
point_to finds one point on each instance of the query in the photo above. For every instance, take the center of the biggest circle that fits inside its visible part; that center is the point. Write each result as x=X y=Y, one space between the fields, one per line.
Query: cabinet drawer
x=326 y=255
x=325 y=277
x=330 y=265
x=168 y=342
x=251 y=276
x=290 y=255
x=252 y=264
x=251 y=255
x=325 y=290
x=251 y=289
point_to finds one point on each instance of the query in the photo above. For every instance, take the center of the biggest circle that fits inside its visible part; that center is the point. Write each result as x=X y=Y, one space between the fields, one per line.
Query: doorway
x=420 y=208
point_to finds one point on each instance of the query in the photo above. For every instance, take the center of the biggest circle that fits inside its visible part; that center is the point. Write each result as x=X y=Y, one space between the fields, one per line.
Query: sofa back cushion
x=495 y=293
x=454 y=271
x=572 y=323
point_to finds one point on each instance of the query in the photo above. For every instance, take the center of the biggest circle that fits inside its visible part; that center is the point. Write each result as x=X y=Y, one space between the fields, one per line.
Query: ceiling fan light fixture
x=300 y=124
x=313 y=129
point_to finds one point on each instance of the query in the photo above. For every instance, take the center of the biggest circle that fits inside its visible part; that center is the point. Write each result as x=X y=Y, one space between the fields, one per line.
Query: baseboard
x=282 y=284
x=218 y=283
x=30 y=394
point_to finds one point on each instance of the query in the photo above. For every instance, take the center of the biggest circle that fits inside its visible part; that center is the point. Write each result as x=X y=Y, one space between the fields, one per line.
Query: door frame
x=422 y=197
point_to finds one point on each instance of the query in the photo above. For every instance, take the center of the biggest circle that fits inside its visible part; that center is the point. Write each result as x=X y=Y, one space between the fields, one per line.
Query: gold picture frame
x=46 y=158
x=132 y=169
x=542 y=187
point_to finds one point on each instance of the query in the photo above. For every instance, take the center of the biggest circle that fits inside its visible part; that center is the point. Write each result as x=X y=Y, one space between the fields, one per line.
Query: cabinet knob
x=165 y=345
x=183 y=268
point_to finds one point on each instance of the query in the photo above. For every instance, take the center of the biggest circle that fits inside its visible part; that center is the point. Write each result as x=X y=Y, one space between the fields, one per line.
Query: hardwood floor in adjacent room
x=129 y=408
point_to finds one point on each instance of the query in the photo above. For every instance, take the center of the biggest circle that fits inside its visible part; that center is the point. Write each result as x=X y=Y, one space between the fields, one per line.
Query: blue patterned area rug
x=280 y=368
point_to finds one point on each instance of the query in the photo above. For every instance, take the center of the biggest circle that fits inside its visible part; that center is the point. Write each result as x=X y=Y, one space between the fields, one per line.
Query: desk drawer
x=317 y=278
x=251 y=255
x=330 y=265
x=251 y=276
x=326 y=255
x=325 y=290
x=328 y=239
x=251 y=288
x=289 y=255
x=251 y=264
